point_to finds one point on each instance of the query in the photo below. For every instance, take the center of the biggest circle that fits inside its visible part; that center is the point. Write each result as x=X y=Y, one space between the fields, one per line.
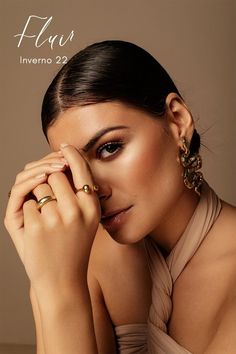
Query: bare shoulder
x=206 y=291
x=122 y=274
x=224 y=231
x=224 y=340
x=229 y=215
x=218 y=251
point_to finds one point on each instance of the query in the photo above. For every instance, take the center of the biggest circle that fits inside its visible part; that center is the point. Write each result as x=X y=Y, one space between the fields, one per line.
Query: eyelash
x=118 y=144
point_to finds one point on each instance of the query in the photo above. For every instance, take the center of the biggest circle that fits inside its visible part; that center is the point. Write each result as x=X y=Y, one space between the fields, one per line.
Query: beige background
x=193 y=39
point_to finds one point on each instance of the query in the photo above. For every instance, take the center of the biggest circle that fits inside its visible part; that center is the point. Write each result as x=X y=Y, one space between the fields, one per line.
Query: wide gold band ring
x=41 y=202
x=87 y=189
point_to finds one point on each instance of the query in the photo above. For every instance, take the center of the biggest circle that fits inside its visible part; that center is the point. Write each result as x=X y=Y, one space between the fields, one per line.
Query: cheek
x=154 y=175
x=140 y=166
x=150 y=163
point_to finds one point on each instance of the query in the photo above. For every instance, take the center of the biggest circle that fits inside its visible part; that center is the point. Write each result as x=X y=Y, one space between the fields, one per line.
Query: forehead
x=79 y=124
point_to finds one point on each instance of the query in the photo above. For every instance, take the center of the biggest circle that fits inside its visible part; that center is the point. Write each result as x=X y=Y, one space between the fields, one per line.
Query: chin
x=124 y=238
x=123 y=227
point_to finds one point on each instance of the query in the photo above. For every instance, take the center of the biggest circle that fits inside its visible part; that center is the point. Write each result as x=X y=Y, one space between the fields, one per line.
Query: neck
x=175 y=222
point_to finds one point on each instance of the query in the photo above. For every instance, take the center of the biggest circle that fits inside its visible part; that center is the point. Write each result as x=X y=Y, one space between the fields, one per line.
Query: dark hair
x=111 y=70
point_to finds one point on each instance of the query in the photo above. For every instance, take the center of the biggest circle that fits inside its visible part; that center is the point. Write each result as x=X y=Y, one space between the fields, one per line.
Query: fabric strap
x=152 y=338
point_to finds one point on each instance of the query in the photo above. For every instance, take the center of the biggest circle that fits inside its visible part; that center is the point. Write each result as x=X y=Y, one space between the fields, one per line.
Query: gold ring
x=41 y=202
x=87 y=189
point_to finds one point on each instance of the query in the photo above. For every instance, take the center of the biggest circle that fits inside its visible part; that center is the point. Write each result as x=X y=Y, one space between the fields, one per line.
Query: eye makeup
x=109 y=149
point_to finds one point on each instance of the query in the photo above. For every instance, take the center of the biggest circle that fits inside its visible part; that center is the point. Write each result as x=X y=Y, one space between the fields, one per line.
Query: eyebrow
x=99 y=134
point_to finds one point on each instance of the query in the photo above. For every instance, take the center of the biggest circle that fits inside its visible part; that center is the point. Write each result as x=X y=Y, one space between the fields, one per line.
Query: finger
x=19 y=193
x=70 y=208
x=81 y=175
x=26 y=181
x=67 y=201
x=40 y=169
x=52 y=160
x=53 y=155
x=31 y=214
x=49 y=209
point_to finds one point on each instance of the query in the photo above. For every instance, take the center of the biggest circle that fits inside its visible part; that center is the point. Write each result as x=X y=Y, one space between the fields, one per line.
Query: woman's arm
x=105 y=337
x=67 y=322
x=54 y=244
x=61 y=315
x=120 y=288
x=224 y=339
x=38 y=325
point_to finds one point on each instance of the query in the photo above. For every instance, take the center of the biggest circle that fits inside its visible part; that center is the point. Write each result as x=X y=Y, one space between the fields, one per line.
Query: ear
x=179 y=118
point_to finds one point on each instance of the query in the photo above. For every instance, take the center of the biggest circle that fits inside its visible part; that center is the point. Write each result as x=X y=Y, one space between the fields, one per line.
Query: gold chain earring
x=191 y=164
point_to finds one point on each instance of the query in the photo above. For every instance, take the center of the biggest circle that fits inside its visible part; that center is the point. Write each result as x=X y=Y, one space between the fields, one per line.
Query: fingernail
x=59 y=152
x=63 y=145
x=57 y=165
x=43 y=175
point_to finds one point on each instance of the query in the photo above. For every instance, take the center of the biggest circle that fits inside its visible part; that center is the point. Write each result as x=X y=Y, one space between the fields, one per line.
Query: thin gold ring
x=87 y=189
x=41 y=202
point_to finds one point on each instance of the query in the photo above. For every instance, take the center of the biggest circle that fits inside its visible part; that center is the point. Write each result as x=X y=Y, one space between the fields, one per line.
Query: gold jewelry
x=41 y=202
x=191 y=164
x=87 y=189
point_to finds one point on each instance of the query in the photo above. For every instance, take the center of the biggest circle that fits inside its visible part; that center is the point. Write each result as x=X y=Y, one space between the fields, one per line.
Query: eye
x=109 y=149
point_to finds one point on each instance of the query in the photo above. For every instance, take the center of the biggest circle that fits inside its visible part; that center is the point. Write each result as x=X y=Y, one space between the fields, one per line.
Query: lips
x=114 y=220
x=112 y=214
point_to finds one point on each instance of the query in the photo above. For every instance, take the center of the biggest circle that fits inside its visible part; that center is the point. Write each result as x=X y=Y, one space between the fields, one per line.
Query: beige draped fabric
x=152 y=337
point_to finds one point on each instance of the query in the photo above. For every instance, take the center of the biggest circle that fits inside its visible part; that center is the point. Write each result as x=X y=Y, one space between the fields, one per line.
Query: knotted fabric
x=152 y=337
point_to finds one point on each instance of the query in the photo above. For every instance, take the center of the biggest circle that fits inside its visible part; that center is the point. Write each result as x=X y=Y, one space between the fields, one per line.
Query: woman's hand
x=54 y=243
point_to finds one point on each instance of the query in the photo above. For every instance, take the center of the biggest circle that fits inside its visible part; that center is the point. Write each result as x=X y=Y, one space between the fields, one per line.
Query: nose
x=104 y=191
x=101 y=180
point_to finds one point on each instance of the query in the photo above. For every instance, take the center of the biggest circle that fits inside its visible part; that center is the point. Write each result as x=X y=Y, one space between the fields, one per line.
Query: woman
x=125 y=152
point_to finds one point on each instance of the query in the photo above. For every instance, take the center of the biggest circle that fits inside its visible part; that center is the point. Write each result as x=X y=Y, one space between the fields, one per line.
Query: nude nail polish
x=63 y=145
x=58 y=165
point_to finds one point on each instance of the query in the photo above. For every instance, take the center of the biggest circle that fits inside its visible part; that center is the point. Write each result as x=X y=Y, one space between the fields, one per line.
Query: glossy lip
x=114 y=213
x=114 y=220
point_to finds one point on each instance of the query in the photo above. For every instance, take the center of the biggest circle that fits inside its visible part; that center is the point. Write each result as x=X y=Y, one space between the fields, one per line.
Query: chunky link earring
x=191 y=164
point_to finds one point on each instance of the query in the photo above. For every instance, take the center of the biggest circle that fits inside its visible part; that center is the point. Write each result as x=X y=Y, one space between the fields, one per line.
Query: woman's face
x=133 y=159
